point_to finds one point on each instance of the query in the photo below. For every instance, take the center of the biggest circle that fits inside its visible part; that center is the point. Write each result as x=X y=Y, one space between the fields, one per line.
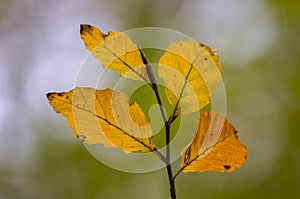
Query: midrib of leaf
x=119 y=57
x=183 y=87
x=107 y=121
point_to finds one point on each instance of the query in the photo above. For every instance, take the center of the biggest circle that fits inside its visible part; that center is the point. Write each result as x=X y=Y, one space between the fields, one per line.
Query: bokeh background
x=41 y=51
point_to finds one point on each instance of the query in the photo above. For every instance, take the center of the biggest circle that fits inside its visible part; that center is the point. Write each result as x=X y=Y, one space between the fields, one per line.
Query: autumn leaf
x=115 y=51
x=191 y=72
x=104 y=117
x=215 y=146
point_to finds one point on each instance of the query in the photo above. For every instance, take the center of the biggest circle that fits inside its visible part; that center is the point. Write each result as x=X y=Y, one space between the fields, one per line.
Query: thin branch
x=167 y=122
x=168 y=158
x=171 y=119
x=160 y=155
x=154 y=86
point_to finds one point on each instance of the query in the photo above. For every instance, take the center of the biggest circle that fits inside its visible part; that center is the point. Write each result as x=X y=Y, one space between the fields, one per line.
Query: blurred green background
x=41 y=51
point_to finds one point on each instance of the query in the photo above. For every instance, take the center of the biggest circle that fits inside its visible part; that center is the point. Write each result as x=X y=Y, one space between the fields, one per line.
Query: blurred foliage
x=262 y=95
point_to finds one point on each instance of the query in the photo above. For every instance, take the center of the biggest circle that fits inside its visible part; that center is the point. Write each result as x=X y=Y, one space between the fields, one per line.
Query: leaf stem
x=178 y=172
x=174 y=116
x=167 y=123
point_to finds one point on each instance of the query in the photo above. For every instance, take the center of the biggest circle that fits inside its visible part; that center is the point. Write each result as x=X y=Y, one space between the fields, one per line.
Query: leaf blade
x=115 y=51
x=215 y=146
x=104 y=117
x=191 y=72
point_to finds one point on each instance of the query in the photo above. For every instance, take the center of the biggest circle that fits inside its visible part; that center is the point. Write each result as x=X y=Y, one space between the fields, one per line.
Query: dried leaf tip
x=84 y=27
x=215 y=51
x=48 y=95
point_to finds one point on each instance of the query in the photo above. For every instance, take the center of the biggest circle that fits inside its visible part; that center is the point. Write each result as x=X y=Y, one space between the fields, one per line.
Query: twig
x=160 y=155
x=169 y=167
x=167 y=123
x=154 y=86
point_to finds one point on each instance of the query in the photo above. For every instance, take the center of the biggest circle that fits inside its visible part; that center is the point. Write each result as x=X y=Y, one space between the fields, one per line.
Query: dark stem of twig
x=154 y=86
x=167 y=123
x=168 y=159
x=172 y=118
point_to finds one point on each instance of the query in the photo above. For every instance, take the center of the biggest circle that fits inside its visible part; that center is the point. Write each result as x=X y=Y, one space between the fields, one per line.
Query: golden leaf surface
x=215 y=146
x=191 y=72
x=104 y=117
x=115 y=51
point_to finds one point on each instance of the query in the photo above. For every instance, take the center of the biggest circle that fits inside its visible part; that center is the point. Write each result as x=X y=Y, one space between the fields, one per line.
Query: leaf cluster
x=190 y=71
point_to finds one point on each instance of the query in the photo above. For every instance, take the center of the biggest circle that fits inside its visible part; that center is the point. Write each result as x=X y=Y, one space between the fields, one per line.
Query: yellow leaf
x=215 y=146
x=191 y=72
x=104 y=117
x=115 y=51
